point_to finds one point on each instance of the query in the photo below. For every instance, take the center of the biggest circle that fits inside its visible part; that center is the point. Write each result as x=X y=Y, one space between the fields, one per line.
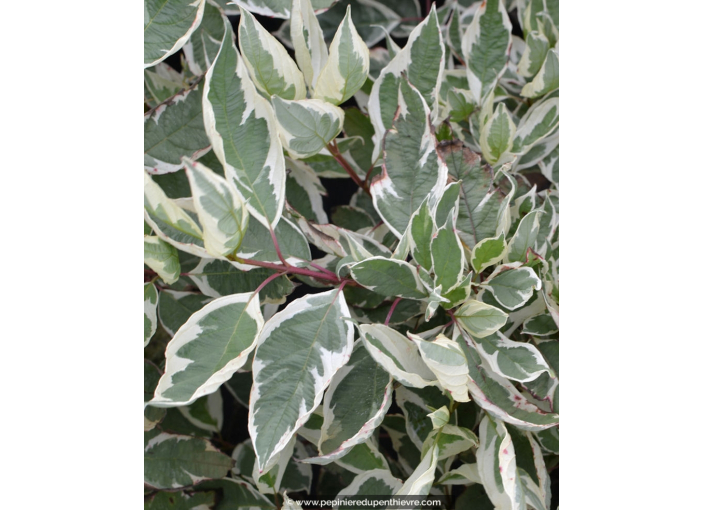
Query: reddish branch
x=332 y=147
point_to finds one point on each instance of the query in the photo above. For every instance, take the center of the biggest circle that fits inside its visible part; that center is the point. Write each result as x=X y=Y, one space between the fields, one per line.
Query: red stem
x=332 y=147
x=276 y=247
x=393 y=307
x=321 y=268
x=265 y=282
x=292 y=270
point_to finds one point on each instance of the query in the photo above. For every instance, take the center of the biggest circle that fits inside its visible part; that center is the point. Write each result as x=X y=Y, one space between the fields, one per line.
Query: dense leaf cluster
x=419 y=353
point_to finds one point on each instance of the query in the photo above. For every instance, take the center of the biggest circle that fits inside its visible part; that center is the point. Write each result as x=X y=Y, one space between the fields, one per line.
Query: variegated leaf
x=422 y=479
x=497 y=136
x=175 y=129
x=363 y=457
x=531 y=491
x=540 y=325
x=466 y=474
x=439 y=417
x=206 y=413
x=531 y=467
x=307 y=126
x=269 y=481
x=205 y=41
x=417 y=404
x=496 y=459
x=271 y=68
x=298 y=476
x=377 y=482
x=170 y=222
x=512 y=286
x=242 y=129
x=151 y=298
x=258 y=245
x=448 y=204
x=448 y=257
x=175 y=308
x=308 y=41
x=480 y=202
x=347 y=66
x=537 y=46
x=480 y=319
x=162 y=258
x=547 y=79
x=412 y=169
x=167 y=26
x=217 y=278
x=420 y=233
x=397 y=355
x=162 y=82
x=278 y=8
x=389 y=277
x=537 y=123
x=211 y=346
x=485 y=48
x=173 y=461
x=354 y=405
x=446 y=360
x=519 y=361
x=525 y=237
x=488 y=252
x=451 y=440
x=304 y=191
x=422 y=61
x=222 y=214
x=307 y=342
x=498 y=396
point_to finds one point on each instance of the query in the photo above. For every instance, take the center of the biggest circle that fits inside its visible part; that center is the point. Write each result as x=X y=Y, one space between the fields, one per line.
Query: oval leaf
x=211 y=346
x=241 y=126
x=299 y=351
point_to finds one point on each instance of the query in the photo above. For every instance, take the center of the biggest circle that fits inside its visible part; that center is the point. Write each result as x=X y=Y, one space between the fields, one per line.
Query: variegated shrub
x=401 y=342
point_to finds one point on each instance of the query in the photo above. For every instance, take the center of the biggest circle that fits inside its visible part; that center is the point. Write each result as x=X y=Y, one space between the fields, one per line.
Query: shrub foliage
x=405 y=342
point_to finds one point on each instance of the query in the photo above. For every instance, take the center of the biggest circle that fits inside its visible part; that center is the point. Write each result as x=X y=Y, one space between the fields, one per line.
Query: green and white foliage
x=347 y=65
x=211 y=346
x=221 y=212
x=299 y=351
x=151 y=298
x=308 y=41
x=403 y=342
x=271 y=68
x=354 y=405
x=172 y=461
x=204 y=43
x=446 y=360
x=241 y=126
x=412 y=169
x=421 y=61
x=162 y=258
x=167 y=26
x=485 y=47
x=175 y=129
x=397 y=355
x=307 y=126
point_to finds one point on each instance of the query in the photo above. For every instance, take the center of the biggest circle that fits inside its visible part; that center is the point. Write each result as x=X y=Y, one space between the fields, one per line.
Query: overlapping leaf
x=242 y=130
x=299 y=351
x=412 y=169
x=209 y=348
